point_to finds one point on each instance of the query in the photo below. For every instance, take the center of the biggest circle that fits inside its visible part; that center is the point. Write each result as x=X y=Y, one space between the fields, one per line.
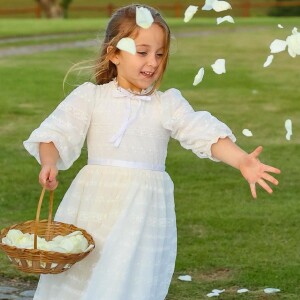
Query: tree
x=279 y=11
x=55 y=8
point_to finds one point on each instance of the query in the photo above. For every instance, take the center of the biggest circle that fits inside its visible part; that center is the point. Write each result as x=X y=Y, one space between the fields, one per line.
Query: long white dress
x=123 y=197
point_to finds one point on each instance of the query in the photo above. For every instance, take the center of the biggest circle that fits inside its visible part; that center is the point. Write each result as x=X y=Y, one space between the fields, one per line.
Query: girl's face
x=140 y=71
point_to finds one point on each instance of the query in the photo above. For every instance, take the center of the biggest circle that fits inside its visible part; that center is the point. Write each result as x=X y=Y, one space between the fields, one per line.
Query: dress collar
x=120 y=92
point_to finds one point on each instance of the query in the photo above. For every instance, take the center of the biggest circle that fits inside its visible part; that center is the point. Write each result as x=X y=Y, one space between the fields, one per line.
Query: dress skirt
x=130 y=214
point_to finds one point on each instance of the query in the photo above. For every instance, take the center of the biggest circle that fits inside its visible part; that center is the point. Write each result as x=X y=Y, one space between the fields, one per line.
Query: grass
x=225 y=239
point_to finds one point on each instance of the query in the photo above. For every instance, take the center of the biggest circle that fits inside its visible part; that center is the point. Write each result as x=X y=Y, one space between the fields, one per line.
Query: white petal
x=288 y=127
x=189 y=13
x=219 y=66
x=247 y=132
x=127 y=44
x=226 y=18
x=143 y=17
x=269 y=60
x=218 y=291
x=241 y=291
x=198 y=78
x=278 y=46
x=208 y=4
x=271 y=290
x=212 y=295
x=221 y=6
x=295 y=30
x=185 y=278
x=280 y=26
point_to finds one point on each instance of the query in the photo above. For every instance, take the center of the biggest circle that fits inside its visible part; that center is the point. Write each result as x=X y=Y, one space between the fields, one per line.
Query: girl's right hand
x=47 y=177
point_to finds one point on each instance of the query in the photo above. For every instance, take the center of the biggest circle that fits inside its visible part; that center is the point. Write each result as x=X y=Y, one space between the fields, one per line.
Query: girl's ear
x=112 y=55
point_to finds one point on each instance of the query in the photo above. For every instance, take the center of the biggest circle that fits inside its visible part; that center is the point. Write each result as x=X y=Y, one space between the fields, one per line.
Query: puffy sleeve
x=196 y=131
x=66 y=126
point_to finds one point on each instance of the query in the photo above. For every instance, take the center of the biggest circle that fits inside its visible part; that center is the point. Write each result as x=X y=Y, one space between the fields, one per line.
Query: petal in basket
x=74 y=242
x=45 y=246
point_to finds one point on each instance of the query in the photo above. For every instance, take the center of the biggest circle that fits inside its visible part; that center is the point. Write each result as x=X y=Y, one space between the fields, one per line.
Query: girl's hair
x=123 y=24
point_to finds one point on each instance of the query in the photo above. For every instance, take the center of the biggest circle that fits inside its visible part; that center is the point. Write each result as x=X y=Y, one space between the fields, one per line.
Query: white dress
x=123 y=197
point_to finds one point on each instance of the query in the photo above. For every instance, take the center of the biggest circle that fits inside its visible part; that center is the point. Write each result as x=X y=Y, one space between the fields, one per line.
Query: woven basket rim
x=5 y=230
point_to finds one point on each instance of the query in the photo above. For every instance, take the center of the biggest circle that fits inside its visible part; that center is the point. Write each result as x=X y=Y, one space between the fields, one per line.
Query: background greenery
x=225 y=238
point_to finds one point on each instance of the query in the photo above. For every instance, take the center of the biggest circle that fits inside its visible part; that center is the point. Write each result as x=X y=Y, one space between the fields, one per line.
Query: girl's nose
x=153 y=61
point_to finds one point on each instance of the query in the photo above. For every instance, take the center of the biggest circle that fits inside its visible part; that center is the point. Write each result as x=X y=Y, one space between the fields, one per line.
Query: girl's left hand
x=256 y=172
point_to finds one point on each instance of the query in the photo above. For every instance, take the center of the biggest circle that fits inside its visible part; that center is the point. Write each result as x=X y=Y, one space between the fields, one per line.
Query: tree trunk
x=51 y=8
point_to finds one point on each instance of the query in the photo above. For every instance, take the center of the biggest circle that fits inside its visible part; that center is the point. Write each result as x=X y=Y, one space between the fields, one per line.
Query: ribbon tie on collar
x=120 y=93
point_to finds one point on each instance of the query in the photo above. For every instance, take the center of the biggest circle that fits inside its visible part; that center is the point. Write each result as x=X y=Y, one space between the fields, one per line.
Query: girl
x=123 y=196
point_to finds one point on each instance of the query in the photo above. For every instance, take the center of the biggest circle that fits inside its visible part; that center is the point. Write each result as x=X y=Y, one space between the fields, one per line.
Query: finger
x=271 y=169
x=52 y=175
x=265 y=186
x=253 y=190
x=257 y=151
x=270 y=178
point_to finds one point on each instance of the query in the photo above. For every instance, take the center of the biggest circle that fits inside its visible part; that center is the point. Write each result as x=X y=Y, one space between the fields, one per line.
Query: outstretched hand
x=47 y=177
x=256 y=172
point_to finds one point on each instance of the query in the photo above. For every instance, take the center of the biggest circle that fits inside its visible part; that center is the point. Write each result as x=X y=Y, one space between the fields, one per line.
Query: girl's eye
x=160 y=54
x=143 y=53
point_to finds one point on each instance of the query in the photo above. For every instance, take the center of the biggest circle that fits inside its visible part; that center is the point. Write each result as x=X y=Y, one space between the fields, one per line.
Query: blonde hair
x=123 y=24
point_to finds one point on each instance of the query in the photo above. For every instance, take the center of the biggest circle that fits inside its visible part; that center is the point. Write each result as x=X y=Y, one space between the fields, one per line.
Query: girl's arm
x=249 y=165
x=49 y=156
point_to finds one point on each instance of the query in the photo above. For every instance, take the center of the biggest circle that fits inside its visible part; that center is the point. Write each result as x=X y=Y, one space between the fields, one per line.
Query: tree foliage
x=279 y=10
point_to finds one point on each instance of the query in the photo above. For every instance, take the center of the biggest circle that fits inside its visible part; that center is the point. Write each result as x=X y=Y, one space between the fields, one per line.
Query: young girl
x=123 y=197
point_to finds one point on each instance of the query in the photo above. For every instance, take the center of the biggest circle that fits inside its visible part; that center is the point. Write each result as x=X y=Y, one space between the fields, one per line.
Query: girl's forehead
x=152 y=34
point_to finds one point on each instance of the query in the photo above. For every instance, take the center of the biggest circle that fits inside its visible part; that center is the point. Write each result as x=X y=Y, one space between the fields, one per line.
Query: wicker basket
x=40 y=261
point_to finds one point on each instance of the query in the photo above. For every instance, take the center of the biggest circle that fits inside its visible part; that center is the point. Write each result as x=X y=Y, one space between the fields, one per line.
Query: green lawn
x=225 y=238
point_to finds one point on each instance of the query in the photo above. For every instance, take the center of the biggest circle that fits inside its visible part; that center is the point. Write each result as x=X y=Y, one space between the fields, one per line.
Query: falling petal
x=220 y=6
x=143 y=17
x=280 y=26
x=226 y=18
x=288 y=127
x=271 y=290
x=185 y=278
x=293 y=43
x=127 y=44
x=219 y=66
x=247 y=132
x=189 y=13
x=241 y=291
x=278 y=46
x=198 y=77
x=269 y=60
x=208 y=4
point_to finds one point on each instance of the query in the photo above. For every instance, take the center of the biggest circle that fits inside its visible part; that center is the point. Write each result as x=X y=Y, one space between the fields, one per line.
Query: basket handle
x=37 y=218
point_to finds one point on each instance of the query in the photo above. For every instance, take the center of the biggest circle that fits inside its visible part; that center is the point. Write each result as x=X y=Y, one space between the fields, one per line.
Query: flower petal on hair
x=185 y=278
x=278 y=46
x=223 y=19
x=189 y=13
x=242 y=291
x=143 y=17
x=198 y=78
x=268 y=61
x=220 y=6
x=247 y=132
x=219 y=66
x=288 y=127
x=271 y=290
x=208 y=4
x=127 y=44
